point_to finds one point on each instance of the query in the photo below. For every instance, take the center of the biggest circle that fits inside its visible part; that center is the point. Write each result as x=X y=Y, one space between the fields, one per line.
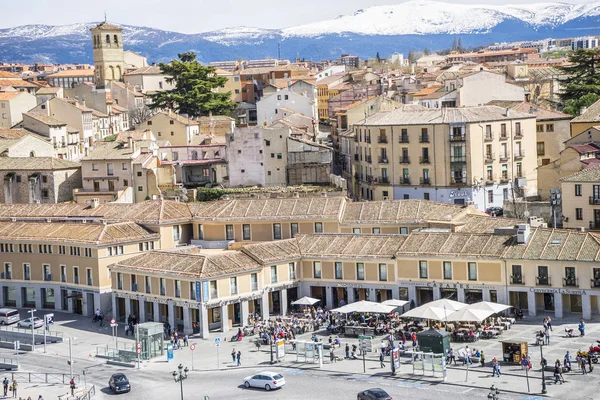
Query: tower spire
x=104 y=16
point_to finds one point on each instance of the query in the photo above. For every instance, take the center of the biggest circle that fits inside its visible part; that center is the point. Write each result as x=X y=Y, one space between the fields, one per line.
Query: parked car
x=495 y=211
x=373 y=394
x=265 y=380
x=119 y=383
x=26 y=323
x=9 y=316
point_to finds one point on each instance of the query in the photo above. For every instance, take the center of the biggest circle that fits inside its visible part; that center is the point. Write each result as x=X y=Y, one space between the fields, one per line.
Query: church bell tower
x=109 y=59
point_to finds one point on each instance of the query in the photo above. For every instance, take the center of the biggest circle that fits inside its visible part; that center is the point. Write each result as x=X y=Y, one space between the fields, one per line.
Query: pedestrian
x=567 y=362
x=72 y=385
x=589 y=361
x=451 y=357
x=482 y=359
x=14 y=387
x=557 y=375
x=331 y=354
x=414 y=339
x=549 y=323
x=347 y=351
x=583 y=362
x=495 y=367
x=545 y=323
x=581 y=327
x=5 y=384
x=233 y=354
x=239 y=356
x=40 y=398
x=547 y=335
x=381 y=359
x=186 y=339
x=467 y=356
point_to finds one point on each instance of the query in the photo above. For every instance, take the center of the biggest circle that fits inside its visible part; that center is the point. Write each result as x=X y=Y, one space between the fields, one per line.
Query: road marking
x=468 y=390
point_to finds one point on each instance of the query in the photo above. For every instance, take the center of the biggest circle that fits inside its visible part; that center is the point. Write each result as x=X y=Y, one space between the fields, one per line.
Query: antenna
x=104 y=16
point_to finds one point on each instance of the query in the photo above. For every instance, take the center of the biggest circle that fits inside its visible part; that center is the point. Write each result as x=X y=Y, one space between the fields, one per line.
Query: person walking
x=583 y=362
x=567 y=362
x=14 y=387
x=451 y=356
x=589 y=361
x=549 y=322
x=233 y=354
x=547 y=335
x=557 y=373
x=186 y=339
x=239 y=358
x=5 y=385
x=381 y=359
x=581 y=327
x=467 y=356
x=495 y=367
x=482 y=359
x=414 y=339
x=72 y=385
x=331 y=354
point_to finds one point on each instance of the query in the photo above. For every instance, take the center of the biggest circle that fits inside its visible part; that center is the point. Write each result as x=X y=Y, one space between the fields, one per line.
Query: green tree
x=426 y=51
x=411 y=56
x=574 y=106
x=193 y=92
x=378 y=58
x=459 y=46
x=454 y=45
x=582 y=76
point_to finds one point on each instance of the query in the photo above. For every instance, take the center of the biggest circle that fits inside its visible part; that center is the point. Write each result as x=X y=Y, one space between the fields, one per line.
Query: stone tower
x=109 y=59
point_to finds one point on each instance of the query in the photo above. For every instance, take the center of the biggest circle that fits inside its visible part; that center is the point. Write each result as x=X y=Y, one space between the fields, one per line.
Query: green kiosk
x=434 y=341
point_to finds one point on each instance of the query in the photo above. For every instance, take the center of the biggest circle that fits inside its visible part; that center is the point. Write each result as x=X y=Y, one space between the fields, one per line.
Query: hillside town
x=459 y=175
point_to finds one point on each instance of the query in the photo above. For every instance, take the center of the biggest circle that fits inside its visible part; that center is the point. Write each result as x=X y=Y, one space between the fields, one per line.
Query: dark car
x=495 y=211
x=374 y=394
x=119 y=383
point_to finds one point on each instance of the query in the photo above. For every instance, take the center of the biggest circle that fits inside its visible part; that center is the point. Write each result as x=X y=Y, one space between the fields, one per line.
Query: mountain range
x=415 y=24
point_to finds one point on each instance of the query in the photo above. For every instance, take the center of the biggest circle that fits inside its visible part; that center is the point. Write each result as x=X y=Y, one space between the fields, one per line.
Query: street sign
x=217 y=341
x=138 y=345
x=17 y=345
x=192 y=347
x=113 y=321
x=114 y=325
x=138 y=351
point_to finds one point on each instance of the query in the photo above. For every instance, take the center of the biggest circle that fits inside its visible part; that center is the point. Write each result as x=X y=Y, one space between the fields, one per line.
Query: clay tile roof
x=35 y=164
x=486 y=224
x=428 y=90
x=542 y=114
x=350 y=245
x=590 y=174
x=12 y=133
x=107 y=26
x=18 y=83
x=48 y=90
x=6 y=96
x=8 y=75
x=72 y=73
x=356 y=103
x=592 y=114
x=273 y=251
x=45 y=119
x=149 y=70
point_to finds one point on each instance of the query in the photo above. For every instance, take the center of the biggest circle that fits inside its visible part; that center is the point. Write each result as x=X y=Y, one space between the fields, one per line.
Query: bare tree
x=140 y=114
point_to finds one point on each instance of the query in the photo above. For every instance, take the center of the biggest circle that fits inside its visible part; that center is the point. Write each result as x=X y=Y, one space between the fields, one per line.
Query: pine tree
x=582 y=76
x=193 y=92
x=411 y=56
x=454 y=45
x=459 y=45
x=378 y=58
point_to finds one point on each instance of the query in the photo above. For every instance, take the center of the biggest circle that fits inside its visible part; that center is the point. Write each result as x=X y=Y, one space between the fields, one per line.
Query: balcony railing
x=425 y=181
x=405 y=160
x=458 y=138
x=571 y=282
x=458 y=181
x=369 y=178
x=595 y=283
x=369 y=159
x=489 y=137
x=76 y=280
x=489 y=181
x=163 y=291
x=542 y=280
x=519 y=154
x=517 y=279
x=424 y=160
x=404 y=139
x=405 y=180
x=504 y=157
x=48 y=277
x=458 y=159
x=383 y=180
x=382 y=160
x=594 y=201
x=489 y=158
x=424 y=139
x=382 y=139
x=368 y=139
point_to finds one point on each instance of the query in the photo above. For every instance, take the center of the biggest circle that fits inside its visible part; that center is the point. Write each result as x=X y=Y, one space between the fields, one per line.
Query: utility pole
x=70 y=358
x=32 y=329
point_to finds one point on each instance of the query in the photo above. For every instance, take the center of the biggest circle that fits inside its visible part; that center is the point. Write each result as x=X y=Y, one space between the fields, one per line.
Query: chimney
x=583 y=110
x=523 y=232
x=131 y=143
x=95 y=202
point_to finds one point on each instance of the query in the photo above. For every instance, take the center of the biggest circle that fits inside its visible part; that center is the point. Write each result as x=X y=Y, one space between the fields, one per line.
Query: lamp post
x=32 y=329
x=271 y=350
x=494 y=393
x=544 y=391
x=179 y=376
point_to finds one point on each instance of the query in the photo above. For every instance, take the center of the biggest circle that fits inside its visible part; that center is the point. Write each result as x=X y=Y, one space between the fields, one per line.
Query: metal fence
x=42 y=377
x=38 y=331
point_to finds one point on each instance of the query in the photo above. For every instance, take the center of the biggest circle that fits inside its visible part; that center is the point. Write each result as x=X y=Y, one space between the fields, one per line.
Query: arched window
x=95 y=42
x=111 y=73
x=118 y=77
x=107 y=39
x=116 y=39
x=32 y=154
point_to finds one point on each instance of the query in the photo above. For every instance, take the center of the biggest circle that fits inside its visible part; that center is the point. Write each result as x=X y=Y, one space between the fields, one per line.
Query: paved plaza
x=216 y=376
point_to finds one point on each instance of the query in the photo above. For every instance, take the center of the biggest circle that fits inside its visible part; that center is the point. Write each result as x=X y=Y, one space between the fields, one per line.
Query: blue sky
x=191 y=16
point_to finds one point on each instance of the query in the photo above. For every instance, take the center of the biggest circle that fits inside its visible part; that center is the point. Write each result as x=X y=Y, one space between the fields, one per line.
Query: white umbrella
x=395 y=303
x=427 y=312
x=449 y=305
x=305 y=301
x=469 y=315
x=486 y=305
x=365 y=307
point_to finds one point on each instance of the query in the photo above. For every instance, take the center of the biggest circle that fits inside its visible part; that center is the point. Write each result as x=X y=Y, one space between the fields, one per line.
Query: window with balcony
x=503 y=152
x=254 y=282
x=423 y=269
x=516 y=276
x=457 y=134
x=424 y=135
x=543 y=278
x=163 y=287
x=383 y=272
x=27 y=272
x=447 y=270
x=277 y=231
x=213 y=290
x=425 y=155
x=339 y=270
x=233 y=289
x=519 y=168
x=246 y=232
x=489 y=155
x=472 y=271
x=383 y=159
x=504 y=172
x=360 y=271
x=405 y=179
x=317 y=269
x=490 y=174
x=229 y=235
x=570 y=277
x=425 y=179
x=404 y=158
x=109 y=169
x=404 y=136
x=518 y=129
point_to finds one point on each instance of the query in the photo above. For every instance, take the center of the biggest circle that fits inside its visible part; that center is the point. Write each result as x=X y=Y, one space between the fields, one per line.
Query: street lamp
x=494 y=393
x=180 y=376
x=544 y=391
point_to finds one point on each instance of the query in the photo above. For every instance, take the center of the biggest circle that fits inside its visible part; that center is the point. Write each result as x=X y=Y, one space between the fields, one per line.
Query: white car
x=26 y=323
x=265 y=380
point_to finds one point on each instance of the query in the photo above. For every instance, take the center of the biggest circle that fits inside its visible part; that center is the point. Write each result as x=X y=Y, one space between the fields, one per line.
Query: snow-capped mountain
x=414 y=24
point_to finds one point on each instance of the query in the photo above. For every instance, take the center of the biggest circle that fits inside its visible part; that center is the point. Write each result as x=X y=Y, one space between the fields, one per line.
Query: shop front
x=449 y=294
x=518 y=299
x=28 y=296
x=339 y=296
x=473 y=296
x=10 y=296
x=361 y=294
x=48 y=298
x=319 y=292
x=424 y=295
x=383 y=295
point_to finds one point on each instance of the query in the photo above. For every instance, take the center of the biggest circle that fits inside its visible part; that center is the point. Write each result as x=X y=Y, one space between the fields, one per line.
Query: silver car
x=26 y=323
x=265 y=380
